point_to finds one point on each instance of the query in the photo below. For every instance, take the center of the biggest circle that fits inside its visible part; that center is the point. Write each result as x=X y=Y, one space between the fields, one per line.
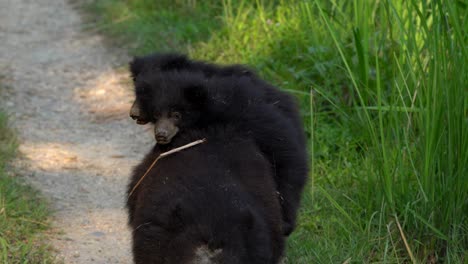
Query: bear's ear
x=238 y=70
x=158 y=61
x=172 y=61
x=136 y=66
x=196 y=94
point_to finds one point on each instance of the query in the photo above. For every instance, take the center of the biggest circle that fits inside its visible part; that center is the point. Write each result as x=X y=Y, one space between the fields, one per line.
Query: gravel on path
x=70 y=108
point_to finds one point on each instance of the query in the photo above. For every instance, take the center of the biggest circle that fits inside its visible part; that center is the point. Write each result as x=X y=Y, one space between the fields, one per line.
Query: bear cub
x=226 y=95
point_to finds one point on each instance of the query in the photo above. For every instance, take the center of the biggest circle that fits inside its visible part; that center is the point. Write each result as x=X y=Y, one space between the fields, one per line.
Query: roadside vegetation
x=23 y=213
x=383 y=87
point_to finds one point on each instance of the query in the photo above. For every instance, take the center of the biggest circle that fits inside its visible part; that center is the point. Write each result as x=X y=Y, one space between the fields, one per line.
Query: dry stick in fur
x=162 y=155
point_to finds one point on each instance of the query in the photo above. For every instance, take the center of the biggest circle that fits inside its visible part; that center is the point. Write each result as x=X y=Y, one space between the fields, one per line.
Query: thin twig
x=162 y=155
x=404 y=241
x=347 y=261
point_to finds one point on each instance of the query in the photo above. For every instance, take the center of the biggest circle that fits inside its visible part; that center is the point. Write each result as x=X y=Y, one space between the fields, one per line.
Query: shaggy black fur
x=161 y=63
x=212 y=203
x=232 y=95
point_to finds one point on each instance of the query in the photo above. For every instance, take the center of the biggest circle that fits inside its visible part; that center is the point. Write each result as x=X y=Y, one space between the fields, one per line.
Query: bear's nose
x=161 y=133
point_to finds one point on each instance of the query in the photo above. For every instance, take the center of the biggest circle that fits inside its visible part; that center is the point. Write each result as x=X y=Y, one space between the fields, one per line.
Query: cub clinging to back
x=231 y=95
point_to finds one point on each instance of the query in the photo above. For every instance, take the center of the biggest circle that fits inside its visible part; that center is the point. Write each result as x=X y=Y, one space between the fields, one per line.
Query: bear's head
x=172 y=101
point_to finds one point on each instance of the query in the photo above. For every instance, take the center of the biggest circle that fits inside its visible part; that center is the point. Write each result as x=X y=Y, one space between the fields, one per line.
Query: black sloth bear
x=232 y=95
x=161 y=63
x=212 y=203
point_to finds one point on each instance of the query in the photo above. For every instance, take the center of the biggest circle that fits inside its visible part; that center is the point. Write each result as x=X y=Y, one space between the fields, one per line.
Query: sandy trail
x=70 y=108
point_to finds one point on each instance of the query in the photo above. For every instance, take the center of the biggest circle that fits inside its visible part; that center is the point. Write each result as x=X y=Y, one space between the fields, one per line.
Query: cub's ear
x=159 y=61
x=136 y=66
x=172 y=61
x=238 y=70
x=196 y=94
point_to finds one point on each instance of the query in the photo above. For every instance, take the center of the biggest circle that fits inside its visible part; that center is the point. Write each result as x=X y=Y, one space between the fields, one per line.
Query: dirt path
x=70 y=108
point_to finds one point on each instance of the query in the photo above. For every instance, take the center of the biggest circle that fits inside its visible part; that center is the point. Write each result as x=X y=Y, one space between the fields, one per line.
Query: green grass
x=170 y=24
x=389 y=148
x=23 y=213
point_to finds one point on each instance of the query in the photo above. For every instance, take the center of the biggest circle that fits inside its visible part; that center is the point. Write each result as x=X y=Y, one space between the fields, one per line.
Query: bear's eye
x=142 y=88
x=176 y=115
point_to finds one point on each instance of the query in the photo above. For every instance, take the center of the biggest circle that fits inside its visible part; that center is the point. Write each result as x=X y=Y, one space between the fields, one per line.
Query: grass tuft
x=23 y=213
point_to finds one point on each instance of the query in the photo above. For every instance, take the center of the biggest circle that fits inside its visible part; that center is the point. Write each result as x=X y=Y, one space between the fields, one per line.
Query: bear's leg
x=147 y=246
x=276 y=137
